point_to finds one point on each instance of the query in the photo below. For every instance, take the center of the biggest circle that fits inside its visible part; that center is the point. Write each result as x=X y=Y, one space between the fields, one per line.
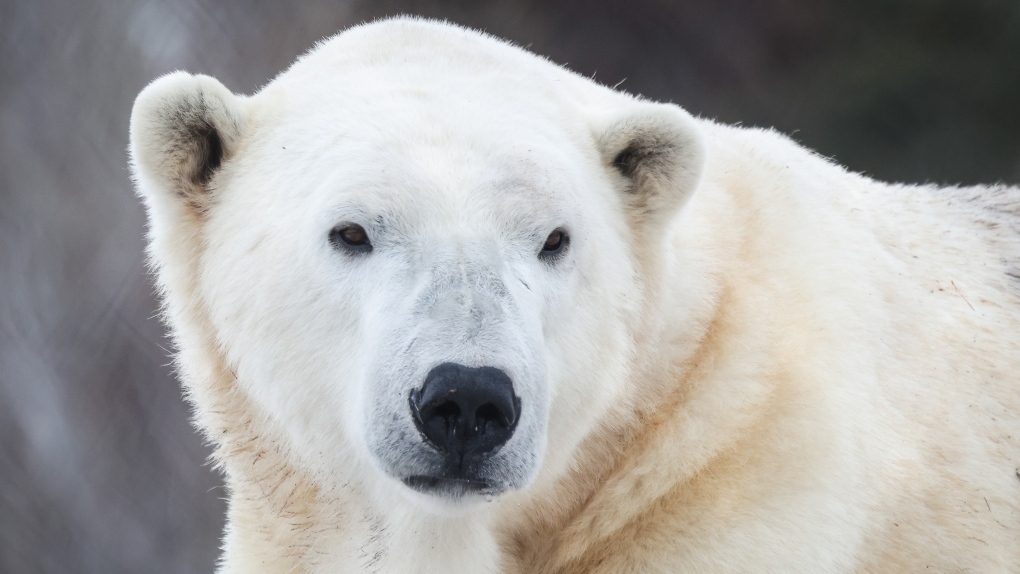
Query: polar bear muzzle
x=466 y=415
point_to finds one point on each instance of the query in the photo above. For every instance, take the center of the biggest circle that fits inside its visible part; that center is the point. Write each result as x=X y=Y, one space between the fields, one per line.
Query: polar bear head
x=418 y=252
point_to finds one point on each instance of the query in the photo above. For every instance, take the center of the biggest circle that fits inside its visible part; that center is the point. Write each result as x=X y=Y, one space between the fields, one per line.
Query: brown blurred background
x=99 y=468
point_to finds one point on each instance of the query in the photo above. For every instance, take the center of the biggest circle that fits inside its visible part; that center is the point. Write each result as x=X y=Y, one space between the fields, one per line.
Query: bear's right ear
x=183 y=128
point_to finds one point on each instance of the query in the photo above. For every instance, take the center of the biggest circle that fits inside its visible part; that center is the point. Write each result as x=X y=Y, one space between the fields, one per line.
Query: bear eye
x=351 y=237
x=555 y=244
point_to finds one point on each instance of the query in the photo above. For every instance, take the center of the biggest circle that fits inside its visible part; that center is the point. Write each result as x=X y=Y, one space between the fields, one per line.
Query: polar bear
x=443 y=306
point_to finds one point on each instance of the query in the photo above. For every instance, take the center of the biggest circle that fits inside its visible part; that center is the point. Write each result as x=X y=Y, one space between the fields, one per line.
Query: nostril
x=449 y=412
x=490 y=413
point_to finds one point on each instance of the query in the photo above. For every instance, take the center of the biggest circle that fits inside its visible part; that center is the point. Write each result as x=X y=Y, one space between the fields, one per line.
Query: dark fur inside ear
x=211 y=153
x=645 y=154
x=194 y=142
x=628 y=159
x=659 y=152
x=183 y=129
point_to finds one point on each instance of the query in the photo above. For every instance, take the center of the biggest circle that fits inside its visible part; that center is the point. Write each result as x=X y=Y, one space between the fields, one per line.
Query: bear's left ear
x=183 y=128
x=657 y=152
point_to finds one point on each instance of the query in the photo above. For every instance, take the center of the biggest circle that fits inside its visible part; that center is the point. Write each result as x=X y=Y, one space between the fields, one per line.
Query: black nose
x=465 y=411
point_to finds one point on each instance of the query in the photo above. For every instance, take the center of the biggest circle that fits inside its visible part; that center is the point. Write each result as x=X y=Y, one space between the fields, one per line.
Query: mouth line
x=449 y=487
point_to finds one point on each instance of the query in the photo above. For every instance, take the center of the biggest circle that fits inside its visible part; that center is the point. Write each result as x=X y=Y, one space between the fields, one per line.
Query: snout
x=466 y=414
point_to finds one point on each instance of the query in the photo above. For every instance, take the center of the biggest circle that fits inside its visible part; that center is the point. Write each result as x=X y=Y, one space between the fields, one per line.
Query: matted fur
x=768 y=364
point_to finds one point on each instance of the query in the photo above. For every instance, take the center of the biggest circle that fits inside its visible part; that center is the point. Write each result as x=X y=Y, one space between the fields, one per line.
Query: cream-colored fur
x=756 y=361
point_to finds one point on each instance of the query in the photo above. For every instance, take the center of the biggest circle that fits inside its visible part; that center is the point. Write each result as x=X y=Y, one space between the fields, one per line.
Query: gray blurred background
x=99 y=468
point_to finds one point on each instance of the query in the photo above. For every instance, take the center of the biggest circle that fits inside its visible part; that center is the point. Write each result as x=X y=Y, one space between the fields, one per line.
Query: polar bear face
x=407 y=250
x=424 y=276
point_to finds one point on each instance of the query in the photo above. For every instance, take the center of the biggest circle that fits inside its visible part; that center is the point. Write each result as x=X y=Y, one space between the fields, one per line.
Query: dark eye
x=351 y=237
x=555 y=244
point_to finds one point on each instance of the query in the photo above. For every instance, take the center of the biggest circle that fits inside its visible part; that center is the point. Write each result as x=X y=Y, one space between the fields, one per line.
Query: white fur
x=747 y=360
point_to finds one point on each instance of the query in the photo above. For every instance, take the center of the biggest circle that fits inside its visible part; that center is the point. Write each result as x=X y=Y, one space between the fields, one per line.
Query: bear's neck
x=292 y=526
x=423 y=542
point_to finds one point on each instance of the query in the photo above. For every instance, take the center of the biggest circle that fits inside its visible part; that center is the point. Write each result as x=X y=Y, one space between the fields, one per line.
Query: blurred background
x=99 y=468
